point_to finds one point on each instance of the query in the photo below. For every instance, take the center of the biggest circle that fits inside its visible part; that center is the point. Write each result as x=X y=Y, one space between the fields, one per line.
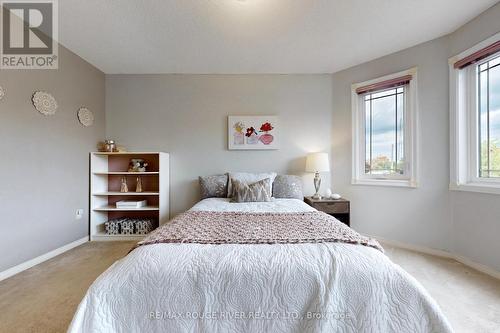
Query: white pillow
x=249 y=178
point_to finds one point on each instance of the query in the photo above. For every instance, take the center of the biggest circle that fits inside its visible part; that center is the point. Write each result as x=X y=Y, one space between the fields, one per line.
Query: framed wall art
x=253 y=132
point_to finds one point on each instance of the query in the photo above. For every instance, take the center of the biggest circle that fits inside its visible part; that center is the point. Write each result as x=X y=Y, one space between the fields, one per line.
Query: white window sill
x=386 y=182
x=477 y=187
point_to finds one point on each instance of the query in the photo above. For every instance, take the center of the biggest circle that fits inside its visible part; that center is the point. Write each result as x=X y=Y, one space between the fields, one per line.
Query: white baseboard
x=416 y=248
x=44 y=257
x=444 y=254
x=477 y=266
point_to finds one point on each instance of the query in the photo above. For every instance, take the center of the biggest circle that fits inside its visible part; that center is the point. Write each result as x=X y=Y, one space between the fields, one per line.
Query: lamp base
x=317 y=184
x=317 y=197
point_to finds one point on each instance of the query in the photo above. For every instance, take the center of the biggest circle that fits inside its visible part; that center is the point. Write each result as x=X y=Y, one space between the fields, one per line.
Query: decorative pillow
x=288 y=187
x=249 y=178
x=213 y=186
x=256 y=192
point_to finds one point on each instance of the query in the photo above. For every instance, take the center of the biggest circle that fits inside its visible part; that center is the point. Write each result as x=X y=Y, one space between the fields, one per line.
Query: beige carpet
x=44 y=298
x=469 y=299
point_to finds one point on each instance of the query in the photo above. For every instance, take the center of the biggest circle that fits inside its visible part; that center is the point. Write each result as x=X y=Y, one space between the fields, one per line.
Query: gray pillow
x=255 y=192
x=288 y=187
x=213 y=186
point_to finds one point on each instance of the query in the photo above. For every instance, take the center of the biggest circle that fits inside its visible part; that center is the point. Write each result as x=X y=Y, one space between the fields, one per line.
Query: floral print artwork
x=253 y=132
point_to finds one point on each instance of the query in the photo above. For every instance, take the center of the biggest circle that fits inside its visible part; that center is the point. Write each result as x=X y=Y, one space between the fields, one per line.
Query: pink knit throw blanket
x=205 y=227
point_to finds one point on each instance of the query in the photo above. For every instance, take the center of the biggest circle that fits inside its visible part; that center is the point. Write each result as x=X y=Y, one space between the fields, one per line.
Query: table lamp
x=317 y=162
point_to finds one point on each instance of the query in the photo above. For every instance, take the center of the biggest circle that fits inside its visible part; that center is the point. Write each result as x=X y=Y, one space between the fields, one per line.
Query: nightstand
x=340 y=208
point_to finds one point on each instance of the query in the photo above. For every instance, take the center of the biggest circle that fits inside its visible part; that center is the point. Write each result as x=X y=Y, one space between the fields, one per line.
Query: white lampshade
x=317 y=162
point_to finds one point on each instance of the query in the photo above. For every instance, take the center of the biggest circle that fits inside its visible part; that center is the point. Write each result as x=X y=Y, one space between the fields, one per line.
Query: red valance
x=477 y=56
x=399 y=81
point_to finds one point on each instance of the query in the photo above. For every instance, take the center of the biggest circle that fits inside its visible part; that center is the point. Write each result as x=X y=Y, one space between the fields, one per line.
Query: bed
x=276 y=287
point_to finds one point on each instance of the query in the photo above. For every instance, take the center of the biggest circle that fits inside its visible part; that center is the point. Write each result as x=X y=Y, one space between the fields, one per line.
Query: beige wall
x=44 y=172
x=186 y=115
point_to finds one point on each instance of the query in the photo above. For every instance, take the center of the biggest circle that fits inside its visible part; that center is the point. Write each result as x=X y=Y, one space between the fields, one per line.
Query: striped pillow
x=255 y=192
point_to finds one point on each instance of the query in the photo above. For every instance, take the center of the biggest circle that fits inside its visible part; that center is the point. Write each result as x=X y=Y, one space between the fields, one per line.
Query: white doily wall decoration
x=85 y=116
x=44 y=103
x=2 y=92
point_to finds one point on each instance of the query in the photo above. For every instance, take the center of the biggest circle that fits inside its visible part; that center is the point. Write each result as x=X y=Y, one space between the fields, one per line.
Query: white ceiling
x=252 y=36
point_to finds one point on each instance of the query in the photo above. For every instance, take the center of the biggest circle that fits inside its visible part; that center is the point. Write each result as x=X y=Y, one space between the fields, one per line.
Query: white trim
x=411 y=136
x=443 y=254
x=416 y=248
x=463 y=127
x=44 y=257
x=477 y=266
x=476 y=187
x=385 y=182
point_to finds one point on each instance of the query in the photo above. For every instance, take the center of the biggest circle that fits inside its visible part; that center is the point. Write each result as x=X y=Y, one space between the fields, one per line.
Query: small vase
x=138 y=186
x=124 y=187
x=266 y=138
x=110 y=146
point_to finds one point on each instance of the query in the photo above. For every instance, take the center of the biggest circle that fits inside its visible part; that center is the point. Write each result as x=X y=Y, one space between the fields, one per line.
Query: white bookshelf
x=106 y=172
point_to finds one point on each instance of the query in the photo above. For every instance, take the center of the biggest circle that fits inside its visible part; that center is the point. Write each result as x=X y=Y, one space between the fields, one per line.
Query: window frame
x=464 y=125
x=409 y=178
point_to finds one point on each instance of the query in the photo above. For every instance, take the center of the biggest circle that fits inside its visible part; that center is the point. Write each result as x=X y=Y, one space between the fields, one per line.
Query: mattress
x=325 y=287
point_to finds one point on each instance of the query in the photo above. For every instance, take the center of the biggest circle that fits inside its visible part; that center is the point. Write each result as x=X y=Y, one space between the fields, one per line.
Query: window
x=475 y=118
x=384 y=128
x=384 y=120
x=488 y=90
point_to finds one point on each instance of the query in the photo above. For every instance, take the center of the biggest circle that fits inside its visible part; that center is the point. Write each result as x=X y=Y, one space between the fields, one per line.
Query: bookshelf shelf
x=125 y=173
x=126 y=193
x=105 y=181
x=105 y=153
x=112 y=208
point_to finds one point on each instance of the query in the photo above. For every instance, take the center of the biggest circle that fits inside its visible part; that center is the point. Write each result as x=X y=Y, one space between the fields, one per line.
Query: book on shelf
x=131 y=204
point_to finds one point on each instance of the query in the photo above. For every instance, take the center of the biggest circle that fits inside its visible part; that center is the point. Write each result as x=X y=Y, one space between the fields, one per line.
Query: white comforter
x=330 y=287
